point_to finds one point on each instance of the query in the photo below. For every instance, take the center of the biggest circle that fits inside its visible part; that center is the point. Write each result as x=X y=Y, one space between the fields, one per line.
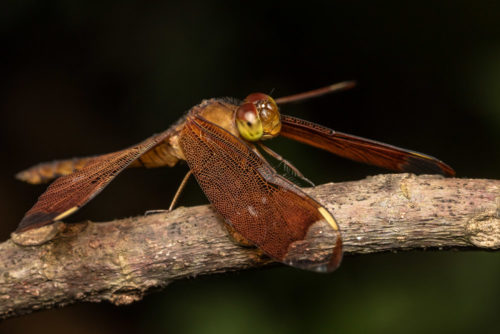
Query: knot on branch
x=484 y=230
x=126 y=295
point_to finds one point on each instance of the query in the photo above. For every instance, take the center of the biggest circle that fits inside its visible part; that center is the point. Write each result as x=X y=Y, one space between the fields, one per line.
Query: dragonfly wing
x=70 y=192
x=265 y=208
x=361 y=149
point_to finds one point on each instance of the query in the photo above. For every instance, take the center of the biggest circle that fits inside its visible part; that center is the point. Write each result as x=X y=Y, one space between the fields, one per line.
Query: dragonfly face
x=258 y=117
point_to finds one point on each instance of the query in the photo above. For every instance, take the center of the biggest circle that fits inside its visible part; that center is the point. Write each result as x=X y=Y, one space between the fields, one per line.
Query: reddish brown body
x=265 y=208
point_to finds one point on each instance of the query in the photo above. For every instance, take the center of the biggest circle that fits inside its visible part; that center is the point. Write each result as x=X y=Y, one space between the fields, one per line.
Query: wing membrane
x=70 y=192
x=361 y=149
x=265 y=208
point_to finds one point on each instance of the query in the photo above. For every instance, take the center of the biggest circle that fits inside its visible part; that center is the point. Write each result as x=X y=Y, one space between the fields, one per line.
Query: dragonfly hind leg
x=174 y=200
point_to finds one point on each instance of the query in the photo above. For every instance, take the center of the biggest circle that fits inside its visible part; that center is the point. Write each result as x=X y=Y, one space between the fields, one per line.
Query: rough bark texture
x=120 y=260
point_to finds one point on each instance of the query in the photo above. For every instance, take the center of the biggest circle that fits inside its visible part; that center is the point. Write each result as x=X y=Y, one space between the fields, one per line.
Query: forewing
x=70 y=192
x=265 y=208
x=361 y=149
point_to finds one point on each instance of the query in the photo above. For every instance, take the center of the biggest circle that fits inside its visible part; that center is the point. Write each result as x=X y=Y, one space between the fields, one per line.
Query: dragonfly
x=219 y=140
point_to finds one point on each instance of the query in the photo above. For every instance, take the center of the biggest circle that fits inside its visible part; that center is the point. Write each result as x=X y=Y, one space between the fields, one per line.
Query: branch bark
x=119 y=261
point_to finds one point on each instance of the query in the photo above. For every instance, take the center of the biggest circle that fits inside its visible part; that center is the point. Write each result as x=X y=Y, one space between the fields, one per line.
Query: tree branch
x=120 y=260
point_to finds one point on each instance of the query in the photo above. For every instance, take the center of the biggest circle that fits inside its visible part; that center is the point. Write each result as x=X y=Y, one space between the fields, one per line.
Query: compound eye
x=268 y=113
x=248 y=122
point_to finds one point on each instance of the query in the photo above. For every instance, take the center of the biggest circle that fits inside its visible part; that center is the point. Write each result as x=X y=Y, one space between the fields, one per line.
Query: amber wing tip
x=447 y=170
x=423 y=164
x=35 y=220
x=337 y=87
x=344 y=85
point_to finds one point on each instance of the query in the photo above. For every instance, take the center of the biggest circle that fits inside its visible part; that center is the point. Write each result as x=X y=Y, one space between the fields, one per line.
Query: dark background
x=80 y=78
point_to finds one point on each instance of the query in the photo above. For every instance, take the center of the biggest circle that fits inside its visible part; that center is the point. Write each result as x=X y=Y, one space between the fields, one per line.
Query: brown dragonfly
x=218 y=138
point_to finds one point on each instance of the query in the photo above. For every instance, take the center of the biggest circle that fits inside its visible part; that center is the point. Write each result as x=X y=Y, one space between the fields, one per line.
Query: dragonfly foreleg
x=286 y=162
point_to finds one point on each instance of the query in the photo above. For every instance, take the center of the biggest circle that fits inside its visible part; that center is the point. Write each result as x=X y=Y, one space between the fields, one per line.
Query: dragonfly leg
x=154 y=212
x=286 y=162
x=179 y=190
x=176 y=196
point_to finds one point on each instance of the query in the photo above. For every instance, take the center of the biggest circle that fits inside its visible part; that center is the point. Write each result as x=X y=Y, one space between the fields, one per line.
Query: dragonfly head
x=258 y=117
